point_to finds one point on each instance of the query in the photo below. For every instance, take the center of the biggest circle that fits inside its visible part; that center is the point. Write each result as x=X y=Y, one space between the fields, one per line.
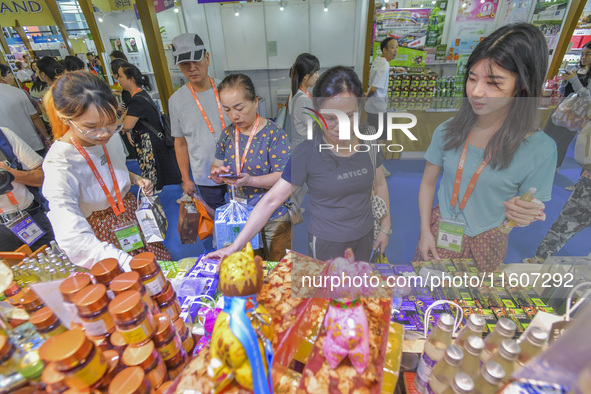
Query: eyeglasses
x=96 y=133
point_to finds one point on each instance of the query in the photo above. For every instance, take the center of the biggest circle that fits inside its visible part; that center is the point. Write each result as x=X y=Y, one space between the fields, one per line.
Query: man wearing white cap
x=197 y=119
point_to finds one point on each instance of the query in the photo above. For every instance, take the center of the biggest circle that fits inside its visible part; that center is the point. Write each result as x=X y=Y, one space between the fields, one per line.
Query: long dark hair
x=522 y=50
x=132 y=72
x=51 y=67
x=305 y=64
x=72 y=94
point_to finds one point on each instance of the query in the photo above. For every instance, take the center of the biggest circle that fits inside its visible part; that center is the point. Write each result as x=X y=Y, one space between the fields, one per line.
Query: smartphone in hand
x=228 y=176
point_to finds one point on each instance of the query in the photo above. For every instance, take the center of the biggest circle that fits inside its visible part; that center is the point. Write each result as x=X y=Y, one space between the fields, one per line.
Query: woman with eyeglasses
x=86 y=180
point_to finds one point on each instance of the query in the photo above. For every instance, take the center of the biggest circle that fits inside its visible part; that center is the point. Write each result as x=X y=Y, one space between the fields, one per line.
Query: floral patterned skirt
x=157 y=161
x=102 y=223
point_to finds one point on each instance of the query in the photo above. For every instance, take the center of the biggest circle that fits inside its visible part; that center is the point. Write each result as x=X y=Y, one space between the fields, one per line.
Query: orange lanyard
x=118 y=208
x=306 y=93
x=473 y=180
x=253 y=131
x=12 y=199
x=137 y=90
x=217 y=100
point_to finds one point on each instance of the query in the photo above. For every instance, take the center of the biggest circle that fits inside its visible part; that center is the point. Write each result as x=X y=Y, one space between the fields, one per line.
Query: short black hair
x=118 y=55
x=384 y=43
x=239 y=80
x=73 y=63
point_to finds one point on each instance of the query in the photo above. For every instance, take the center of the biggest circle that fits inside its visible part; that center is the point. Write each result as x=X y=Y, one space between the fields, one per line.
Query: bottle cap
x=143 y=356
x=43 y=318
x=506 y=327
x=66 y=350
x=509 y=349
x=476 y=323
x=446 y=322
x=106 y=270
x=474 y=345
x=127 y=306
x=91 y=299
x=126 y=281
x=73 y=285
x=462 y=384
x=493 y=373
x=537 y=336
x=453 y=355
x=130 y=381
x=144 y=263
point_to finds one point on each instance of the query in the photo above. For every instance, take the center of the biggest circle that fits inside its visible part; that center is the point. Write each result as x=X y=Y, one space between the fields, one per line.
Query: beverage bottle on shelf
x=490 y=378
x=445 y=370
x=56 y=249
x=471 y=363
x=437 y=342
x=532 y=344
x=42 y=274
x=52 y=272
x=508 y=224
x=507 y=356
x=461 y=384
x=474 y=326
x=505 y=329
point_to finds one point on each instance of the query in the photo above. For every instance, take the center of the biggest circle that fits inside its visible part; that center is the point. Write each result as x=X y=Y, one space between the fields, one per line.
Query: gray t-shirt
x=15 y=113
x=299 y=117
x=340 y=191
x=187 y=121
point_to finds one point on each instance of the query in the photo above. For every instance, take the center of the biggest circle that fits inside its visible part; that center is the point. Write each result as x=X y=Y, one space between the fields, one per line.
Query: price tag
x=450 y=234
x=129 y=237
x=26 y=229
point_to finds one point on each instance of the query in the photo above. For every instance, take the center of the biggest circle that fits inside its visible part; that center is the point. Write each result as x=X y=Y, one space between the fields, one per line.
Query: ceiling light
x=326 y=3
x=100 y=19
x=237 y=8
x=176 y=9
x=282 y=5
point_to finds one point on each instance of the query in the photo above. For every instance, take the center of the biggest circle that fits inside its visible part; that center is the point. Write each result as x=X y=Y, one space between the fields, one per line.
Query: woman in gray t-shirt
x=340 y=180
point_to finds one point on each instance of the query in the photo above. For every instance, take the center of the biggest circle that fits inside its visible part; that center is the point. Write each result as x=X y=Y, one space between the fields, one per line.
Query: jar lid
x=179 y=324
x=73 y=285
x=30 y=300
x=130 y=381
x=144 y=263
x=12 y=289
x=5 y=346
x=167 y=295
x=474 y=345
x=506 y=327
x=143 y=356
x=126 y=281
x=453 y=355
x=106 y=270
x=493 y=372
x=164 y=327
x=91 y=299
x=53 y=378
x=118 y=340
x=111 y=356
x=67 y=349
x=43 y=318
x=509 y=349
x=127 y=305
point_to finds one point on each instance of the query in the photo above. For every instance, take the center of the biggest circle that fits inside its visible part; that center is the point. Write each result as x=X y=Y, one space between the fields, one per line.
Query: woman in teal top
x=258 y=161
x=490 y=153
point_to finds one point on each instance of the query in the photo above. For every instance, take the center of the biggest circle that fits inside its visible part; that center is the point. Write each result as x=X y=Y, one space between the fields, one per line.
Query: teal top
x=533 y=165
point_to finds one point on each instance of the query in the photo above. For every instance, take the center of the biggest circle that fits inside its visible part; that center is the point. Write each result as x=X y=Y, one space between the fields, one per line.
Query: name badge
x=26 y=229
x=450 y=234
x=129 y=236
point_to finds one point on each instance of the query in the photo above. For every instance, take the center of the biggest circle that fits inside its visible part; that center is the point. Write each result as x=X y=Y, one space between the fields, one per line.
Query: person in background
x=35 y=70
x=93 y=61
x=27 y=61
x=24 y=164
x=118 y=55
x=23 y=74
x=86 y=217
x=73 y=63
x=145 y=132
x=575 y=81
x=18 y=114
x=256 y=150
x=340 y=205
x=197 y=120
x=489 y=152
x=7 y=77
x=49 y=69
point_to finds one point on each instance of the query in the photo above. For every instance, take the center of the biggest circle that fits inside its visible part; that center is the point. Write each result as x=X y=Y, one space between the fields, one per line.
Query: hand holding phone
x=228 y=176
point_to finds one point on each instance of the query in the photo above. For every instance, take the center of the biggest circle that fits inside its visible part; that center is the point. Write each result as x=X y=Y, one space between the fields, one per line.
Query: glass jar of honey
x=105 y=271
x=114 y=366
x=164 y=388
x=69 y=288
x=185 y=334
x=168 y=302
x=131 y=380
x=133 y=319
x=151 y=275
x=13 y=293
x=92 y=304
x=149 y=360
x=166 y=339
x=131 y=281
x=30 y=300
x=74 y=355
x=53 y=379
x=46 y=323
x=176 y=364
x=118 y=342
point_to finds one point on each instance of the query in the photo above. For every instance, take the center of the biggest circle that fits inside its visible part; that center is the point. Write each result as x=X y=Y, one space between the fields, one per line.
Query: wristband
x=388 y=233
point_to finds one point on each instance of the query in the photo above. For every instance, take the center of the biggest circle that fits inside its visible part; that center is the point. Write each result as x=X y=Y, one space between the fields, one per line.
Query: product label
x=169 y=351
x=99 y=327
x=71 y=308
x=424 y=371
x=139 y=334
x=87 y=375
x=155 y=285
x=171 y=311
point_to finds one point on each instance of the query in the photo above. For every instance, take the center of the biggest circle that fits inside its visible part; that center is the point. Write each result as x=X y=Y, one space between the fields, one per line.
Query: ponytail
x=132 y=72
x=305 y=64
x=58 y=127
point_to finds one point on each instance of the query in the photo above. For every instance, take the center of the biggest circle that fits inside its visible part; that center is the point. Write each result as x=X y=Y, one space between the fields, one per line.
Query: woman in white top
x=86 y=180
